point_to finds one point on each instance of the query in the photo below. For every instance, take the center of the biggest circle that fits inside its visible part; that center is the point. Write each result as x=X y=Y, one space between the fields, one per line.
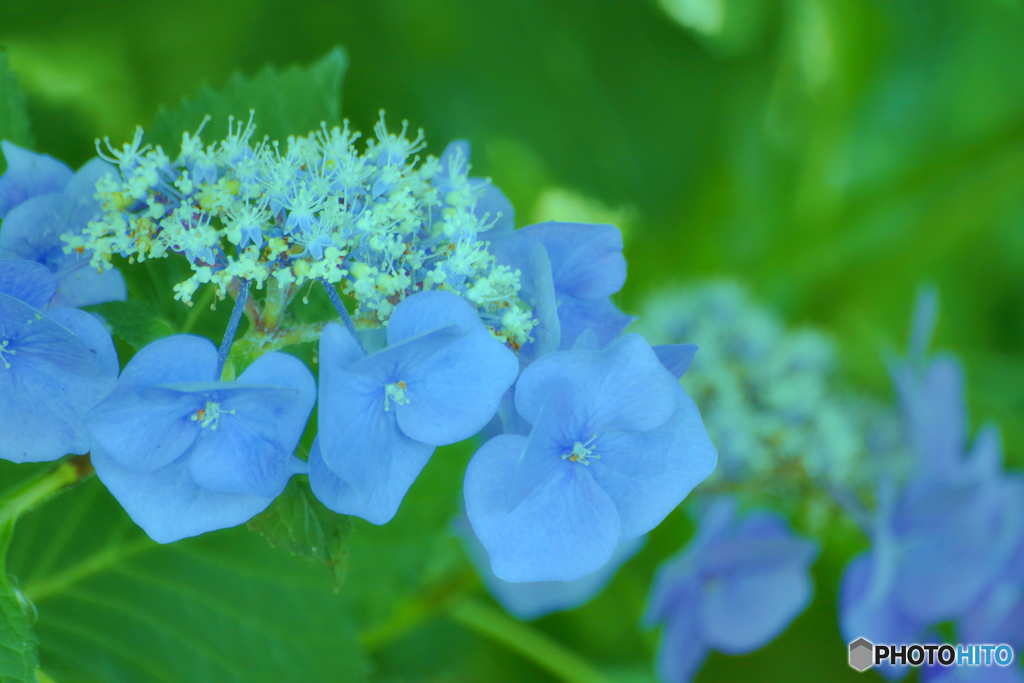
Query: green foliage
x=289 y=102
x=19 y=655
x=299 y=523
x=13 y=117
x=135 y=322
x=116 y=607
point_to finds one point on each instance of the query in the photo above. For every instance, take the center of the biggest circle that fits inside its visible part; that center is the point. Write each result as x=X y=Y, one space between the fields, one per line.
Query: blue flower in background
x=185 y=454
x=40 y=200
x=492 y=202
x=573 y=276
x=534 y=599
x=615 y=445
x=54 y=366
x=737 y=586
x=945 y=542
x=439 y=381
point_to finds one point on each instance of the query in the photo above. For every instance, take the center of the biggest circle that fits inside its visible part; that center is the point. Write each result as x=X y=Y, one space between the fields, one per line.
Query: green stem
x=199 y=307
x=527 y=641
x=42 y=488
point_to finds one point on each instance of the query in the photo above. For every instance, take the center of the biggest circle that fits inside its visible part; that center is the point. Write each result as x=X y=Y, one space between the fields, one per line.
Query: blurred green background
x=833 y=155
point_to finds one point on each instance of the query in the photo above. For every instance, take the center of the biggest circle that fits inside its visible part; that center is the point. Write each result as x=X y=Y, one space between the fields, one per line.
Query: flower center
x=3 y=350
x=395 y=392
x=209 y=415
x=582 y=451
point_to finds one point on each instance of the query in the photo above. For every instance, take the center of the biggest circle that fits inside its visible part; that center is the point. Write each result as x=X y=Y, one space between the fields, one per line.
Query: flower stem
x=229 y=333
x=343 y=312
x=527 y=641
x=41 y=488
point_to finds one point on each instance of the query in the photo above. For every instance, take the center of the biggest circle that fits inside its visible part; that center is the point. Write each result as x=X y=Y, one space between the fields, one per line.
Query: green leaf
x=135 y=322
x=289 y=102
x=302 y=525
x=13 y=118
x=220 y=608
x=19 y=655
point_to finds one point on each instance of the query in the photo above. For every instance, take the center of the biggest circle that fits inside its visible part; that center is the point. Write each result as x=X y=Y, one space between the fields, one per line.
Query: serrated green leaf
x=135 y=322
x=220 y=608
x=13 y=118
x=289 y=102
x=302 y=525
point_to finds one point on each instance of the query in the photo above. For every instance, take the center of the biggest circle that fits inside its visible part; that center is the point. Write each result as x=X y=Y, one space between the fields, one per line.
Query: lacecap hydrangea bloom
x=55 y=364
x=948 y=537
x=41 y=199
x=738 y=584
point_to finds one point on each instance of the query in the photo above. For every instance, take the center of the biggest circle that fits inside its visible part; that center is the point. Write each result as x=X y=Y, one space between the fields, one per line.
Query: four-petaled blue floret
x=734 y=588
x=616 y=444
x=186 y=454
x=438 y=381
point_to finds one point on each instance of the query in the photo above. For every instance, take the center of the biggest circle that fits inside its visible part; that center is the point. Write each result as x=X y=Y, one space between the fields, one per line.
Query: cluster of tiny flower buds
x=382 y=225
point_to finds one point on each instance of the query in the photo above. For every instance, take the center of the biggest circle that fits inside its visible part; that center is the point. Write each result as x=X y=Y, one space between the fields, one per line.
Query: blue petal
x=648 y=474
x=28 y=175
x=576 y=316
x=534 y=599
x=92 y=334
x=144 y=429
x=865 y=612
x=86 y=286
x=755 y=588
x=53 y=380
x=399 y=467
x=624 y=387
x=178 y=358
x=681 y=652
x=169 y=505
x=538 y=290
x=426 y=311
x=936 y=416
x=676 y=357
x=551 y=439
x=32 y=230
x=495 y=206
x=27 y=281
x=586 y=259
x=565 y=529
x=455 y=392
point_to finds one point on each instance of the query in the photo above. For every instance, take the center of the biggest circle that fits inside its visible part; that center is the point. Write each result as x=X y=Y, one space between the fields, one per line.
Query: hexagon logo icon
x=862 y=654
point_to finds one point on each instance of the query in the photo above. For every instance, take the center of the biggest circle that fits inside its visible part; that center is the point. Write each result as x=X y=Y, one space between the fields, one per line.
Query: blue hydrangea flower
x=737 y=586
x=54 y=366
x=572 y=277
x=40 y=200
x=438 y=381
x=534 y=599
x=184 y=453
x=615 y=445
x=943 y=541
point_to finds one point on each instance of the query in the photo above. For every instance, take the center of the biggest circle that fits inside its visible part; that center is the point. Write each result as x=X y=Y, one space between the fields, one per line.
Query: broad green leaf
x=19 y=656
x=224 y=607
x=302 y=525
x=292 y=101
x=135 y=322
x=13 y=119
x=394 y=564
